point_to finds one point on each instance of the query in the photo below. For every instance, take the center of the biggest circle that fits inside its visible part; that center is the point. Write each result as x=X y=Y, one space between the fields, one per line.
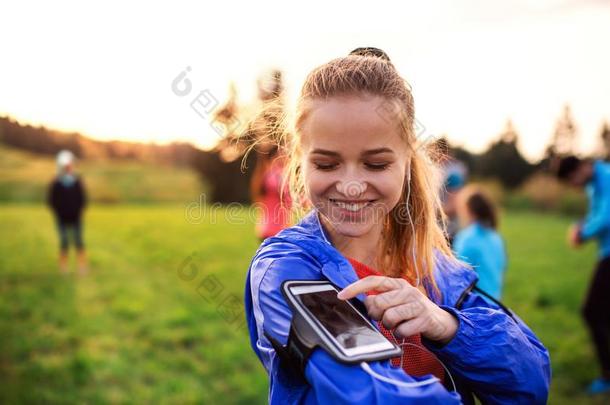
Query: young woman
x=478 y=243
x=373 y=210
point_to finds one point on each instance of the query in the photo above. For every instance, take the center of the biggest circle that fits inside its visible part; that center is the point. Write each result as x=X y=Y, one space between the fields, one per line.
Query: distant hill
x=24 y=177
x=42 y=140
x=121 y=171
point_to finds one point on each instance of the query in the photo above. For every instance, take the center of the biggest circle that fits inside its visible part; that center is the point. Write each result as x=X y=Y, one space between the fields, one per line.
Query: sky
x=105 y=69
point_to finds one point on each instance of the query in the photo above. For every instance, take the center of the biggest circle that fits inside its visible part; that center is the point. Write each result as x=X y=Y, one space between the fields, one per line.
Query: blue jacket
x=492 y=356
x=483 y=249
x=597 y=221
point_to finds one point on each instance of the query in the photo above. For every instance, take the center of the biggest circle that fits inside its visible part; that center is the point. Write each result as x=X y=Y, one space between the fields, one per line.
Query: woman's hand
x=574 y=236
x=402 y=306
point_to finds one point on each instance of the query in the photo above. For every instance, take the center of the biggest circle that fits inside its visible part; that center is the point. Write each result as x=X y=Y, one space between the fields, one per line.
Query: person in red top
x=266 y=191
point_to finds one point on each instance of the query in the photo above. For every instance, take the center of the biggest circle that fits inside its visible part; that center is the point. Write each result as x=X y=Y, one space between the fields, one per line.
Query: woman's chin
x=349 y=228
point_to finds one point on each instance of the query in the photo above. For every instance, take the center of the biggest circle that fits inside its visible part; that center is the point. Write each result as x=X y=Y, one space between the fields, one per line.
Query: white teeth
x=351 y=207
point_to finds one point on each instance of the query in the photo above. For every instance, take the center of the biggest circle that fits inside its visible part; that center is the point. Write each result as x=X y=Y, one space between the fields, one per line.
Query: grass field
x=153 y=321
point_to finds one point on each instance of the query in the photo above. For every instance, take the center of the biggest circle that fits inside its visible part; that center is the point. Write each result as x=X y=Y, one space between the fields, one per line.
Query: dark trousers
x=596 y=313
x=67 y=229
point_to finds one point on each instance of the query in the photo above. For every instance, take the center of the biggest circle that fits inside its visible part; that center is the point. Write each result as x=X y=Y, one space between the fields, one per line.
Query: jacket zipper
x=468 y=290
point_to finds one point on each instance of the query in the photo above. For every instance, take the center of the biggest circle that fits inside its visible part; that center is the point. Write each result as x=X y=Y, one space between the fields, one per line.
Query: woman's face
x=354 y=163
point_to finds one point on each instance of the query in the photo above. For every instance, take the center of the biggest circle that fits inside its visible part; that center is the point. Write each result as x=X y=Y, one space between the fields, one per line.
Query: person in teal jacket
x=478 y=243
x=594 y=177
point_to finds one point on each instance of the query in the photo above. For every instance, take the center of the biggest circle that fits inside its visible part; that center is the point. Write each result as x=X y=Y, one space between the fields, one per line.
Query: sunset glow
x=106 y=70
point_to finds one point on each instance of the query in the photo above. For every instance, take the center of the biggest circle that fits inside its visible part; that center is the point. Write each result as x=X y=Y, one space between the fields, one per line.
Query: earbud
x=409 y=170
x=413 y=236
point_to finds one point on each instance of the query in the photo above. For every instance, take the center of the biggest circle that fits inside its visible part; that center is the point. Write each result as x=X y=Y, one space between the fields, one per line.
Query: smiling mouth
x=352 y=206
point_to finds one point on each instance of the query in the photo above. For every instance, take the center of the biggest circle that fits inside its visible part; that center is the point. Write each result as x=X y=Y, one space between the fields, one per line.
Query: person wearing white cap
x=67 y=199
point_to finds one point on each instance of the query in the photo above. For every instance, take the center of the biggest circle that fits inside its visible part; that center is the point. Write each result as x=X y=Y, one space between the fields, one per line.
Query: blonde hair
x=371 y=75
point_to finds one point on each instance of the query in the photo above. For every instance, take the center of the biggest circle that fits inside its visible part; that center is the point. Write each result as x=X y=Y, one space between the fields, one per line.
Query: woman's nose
x=351 y=188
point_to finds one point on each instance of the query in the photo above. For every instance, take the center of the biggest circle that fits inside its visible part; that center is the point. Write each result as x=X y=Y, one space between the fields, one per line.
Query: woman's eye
x=377 y=166
x=328 y=166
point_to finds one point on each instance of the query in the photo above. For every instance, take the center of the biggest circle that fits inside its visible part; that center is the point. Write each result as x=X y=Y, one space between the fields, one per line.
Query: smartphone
x=340 y=327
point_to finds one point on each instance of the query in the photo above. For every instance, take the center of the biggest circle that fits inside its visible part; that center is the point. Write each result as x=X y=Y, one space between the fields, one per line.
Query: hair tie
x=371 y=51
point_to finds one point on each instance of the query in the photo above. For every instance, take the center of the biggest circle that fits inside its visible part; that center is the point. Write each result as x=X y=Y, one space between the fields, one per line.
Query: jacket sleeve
x=597 y=220
x=82 y=195
x=50 y=195
x=499 y=358
x=329 y=381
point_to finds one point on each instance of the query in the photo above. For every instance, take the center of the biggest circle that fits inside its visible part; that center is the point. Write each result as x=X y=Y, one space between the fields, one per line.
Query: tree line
x=228 y=178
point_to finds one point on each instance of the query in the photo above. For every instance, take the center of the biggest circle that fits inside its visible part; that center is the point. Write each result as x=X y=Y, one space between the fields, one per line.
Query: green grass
x=545 y=285
x=142 y=328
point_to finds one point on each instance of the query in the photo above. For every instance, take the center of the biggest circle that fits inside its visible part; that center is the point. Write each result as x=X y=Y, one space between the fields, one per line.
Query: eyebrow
x=367 y=153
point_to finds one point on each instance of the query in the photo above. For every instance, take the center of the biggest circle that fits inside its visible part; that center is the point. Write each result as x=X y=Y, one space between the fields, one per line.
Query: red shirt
x=274 y=215
x=417 y=361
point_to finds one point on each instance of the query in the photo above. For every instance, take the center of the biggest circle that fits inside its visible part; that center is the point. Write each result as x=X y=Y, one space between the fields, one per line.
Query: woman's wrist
x=446 y=327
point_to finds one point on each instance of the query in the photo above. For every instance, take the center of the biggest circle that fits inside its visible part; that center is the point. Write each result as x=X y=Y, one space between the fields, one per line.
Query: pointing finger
x=376 y=283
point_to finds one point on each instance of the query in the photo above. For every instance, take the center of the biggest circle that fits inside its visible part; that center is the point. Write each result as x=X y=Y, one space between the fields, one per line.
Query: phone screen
x=346 y=324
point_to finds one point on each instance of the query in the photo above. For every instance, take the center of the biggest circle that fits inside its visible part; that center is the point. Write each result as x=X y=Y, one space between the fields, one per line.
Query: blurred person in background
x=263 y=136
x=454 y=174
x=67 y=199
x=266 y=191
x=478 y=243
x=594 y=177
x=266 y=181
